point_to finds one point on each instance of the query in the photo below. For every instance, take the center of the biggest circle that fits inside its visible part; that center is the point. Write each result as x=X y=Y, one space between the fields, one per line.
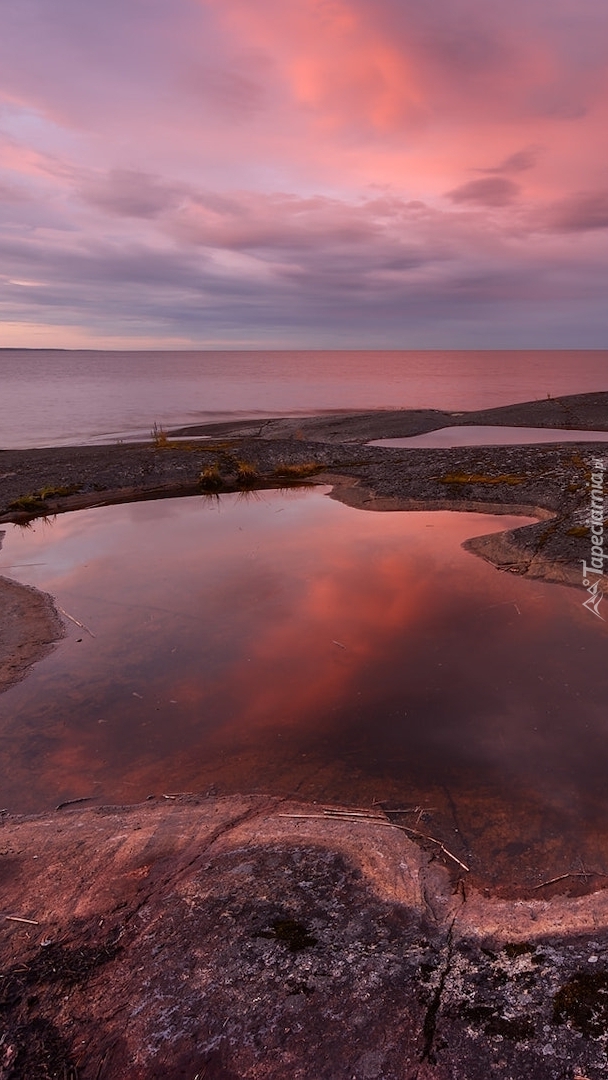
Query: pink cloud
x=340 y=141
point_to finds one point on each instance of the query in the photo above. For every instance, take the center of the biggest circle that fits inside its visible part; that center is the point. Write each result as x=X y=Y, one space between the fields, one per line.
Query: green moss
x=57 y=492
x=26 y=502
x=35 y=500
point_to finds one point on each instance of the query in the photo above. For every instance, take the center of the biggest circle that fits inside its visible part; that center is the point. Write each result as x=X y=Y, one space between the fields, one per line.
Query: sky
x=311 y=174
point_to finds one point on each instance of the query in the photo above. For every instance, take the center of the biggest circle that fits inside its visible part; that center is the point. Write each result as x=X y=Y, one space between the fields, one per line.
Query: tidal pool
x=480 y=435
x=283 y=642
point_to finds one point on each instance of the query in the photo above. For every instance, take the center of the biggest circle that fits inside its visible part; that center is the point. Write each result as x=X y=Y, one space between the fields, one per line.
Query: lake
x=283 y=642
x=54 y=397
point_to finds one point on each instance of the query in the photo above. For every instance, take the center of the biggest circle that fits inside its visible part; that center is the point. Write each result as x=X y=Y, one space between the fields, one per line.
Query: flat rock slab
x=29 y=626
x=237 y=938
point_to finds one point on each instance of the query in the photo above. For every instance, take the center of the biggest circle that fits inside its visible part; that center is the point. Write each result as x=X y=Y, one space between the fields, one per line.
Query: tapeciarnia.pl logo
x=596 y=529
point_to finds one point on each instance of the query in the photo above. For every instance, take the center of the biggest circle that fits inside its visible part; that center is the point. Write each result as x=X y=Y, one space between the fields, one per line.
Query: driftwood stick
x=343 y=817
x=573 y=873
x=434 y=840
x=385 y=824
x=75 y=621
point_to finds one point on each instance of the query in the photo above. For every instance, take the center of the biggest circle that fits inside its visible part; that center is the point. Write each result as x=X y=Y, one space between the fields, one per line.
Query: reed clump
x=160 y=439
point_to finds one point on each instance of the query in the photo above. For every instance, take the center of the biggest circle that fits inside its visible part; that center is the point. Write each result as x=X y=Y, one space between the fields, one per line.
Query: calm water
x=54 y=397
x=288 y=643
x=480 y=435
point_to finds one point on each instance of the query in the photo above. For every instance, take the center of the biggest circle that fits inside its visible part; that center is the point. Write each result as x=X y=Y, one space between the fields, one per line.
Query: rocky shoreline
x=550 y=481
x=258 y=937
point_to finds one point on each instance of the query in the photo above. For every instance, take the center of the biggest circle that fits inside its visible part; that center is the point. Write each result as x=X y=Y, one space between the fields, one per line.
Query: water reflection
x=288 y=643
x=480 y=435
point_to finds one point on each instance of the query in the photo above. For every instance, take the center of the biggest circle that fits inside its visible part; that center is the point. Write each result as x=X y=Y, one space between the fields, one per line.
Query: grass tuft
x=246 y=474
x=159 y=437
x=210 y=478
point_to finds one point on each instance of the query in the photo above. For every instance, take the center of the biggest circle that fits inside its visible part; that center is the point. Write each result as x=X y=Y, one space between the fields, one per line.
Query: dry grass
x=582 y=530
x=476 y=478
x=246 y=474
x=159 y=437
x=55 y=492
x=222 y=446
x=578 y=530
x=298 y=472
x=211 y=478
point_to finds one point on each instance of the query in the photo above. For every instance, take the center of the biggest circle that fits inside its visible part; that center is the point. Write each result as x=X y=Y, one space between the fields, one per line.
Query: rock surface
x=219 y=938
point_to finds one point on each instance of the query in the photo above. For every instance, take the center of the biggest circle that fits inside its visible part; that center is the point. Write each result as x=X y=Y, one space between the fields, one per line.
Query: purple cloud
x=493 y=191
x=515 y=163
x=580 y=213
x=129 y=193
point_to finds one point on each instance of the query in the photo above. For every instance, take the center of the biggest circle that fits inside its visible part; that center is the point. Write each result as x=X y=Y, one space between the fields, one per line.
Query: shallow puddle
x=478 y=435
x=285 y=643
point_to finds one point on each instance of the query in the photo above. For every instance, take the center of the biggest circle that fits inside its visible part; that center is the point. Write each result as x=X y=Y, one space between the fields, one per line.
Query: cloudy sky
x=311 y=173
